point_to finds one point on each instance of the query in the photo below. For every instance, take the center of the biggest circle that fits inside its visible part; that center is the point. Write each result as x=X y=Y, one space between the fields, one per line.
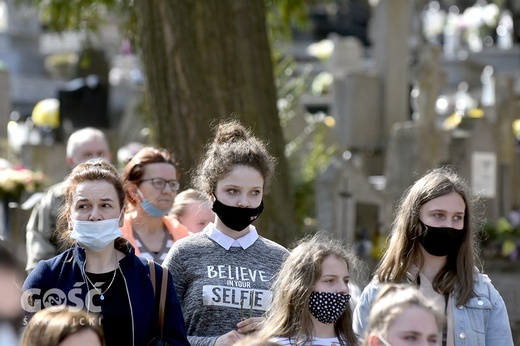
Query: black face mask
x=327 y=307
x=441 y=241
x=234 y=217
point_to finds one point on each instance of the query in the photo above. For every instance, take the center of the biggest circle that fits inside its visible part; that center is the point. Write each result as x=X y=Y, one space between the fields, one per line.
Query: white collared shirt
x=227 y=242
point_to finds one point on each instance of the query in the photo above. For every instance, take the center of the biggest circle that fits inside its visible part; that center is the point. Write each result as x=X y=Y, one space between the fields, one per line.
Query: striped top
x=156 y=256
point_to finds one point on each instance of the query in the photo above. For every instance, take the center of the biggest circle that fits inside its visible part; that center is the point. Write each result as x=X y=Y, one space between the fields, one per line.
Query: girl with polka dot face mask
x=330 y=297
x=311 y=296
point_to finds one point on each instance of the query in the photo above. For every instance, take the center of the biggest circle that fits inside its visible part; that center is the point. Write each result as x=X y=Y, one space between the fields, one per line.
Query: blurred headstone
x=5 y=101
x=83 y=102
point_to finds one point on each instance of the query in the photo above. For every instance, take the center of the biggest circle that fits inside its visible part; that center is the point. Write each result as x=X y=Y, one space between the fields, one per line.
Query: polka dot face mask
x=327 y=307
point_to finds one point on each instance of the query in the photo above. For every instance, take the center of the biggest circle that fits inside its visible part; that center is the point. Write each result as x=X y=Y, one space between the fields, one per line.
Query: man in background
x=41 y=239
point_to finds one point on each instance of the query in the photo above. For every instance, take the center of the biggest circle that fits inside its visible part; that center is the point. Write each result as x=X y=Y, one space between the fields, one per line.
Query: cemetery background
x=371 y=123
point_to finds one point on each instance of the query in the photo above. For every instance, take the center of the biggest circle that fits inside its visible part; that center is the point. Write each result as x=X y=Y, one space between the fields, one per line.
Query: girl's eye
x=107 y=205
x=256 y=192
x=439 y=216
x=232 y=191
x=458 y=218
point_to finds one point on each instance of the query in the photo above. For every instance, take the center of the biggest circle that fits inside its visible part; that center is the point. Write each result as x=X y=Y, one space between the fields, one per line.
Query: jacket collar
x=126 y=248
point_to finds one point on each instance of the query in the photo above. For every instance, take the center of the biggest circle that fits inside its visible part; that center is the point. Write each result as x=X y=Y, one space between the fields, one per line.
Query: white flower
x=321 y=83
x=472 y=17
x=490 y=15
x=322 y=49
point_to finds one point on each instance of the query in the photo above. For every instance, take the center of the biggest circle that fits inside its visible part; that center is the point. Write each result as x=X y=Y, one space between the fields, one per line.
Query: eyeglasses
x=160 y=183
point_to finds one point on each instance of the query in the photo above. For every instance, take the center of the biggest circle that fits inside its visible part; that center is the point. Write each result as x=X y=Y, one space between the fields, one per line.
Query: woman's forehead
x=94 y=189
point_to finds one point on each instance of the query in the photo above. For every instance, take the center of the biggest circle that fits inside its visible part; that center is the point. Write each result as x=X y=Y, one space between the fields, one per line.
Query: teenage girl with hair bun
x=223 y=274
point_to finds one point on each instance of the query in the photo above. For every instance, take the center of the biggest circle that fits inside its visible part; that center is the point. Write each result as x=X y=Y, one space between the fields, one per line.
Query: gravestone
x=340 y=190
x=473 y=151
x=390 y=29
x=357 y=110
x=5 y=101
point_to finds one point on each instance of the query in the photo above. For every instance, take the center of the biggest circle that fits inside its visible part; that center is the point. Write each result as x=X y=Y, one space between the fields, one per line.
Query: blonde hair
x=288 y=314
x=49 y=327
x=255 y=340
x=391 y=301
x=185 y=198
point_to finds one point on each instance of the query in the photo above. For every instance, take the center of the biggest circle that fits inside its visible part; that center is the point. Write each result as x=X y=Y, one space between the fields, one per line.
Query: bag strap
x=164 y=287
x=162 y=299
x=152 y=274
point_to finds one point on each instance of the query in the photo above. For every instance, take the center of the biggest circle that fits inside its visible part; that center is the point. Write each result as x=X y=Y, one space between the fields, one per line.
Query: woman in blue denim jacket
x=432 y=246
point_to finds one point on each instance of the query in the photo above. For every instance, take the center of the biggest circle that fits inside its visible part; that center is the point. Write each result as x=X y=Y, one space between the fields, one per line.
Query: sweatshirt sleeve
x=202 y=340
x=174 y=263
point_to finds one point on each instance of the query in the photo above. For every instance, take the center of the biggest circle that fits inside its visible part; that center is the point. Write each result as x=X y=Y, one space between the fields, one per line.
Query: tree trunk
x=205 y=60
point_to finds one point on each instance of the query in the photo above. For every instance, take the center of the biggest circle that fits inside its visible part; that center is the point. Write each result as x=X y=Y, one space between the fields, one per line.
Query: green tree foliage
x=202 y=60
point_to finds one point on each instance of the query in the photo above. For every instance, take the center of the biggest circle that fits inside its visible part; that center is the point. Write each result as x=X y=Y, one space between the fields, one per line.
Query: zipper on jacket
x=130 y=301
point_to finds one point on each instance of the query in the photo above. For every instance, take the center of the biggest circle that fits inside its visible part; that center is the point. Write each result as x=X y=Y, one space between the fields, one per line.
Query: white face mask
x=96 y=235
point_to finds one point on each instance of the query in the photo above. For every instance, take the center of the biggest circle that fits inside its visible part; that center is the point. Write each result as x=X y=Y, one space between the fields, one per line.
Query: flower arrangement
x=482 y=25
x=15 y=181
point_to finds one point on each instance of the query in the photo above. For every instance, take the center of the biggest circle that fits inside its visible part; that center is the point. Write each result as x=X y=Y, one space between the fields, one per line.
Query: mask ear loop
x=139 y=193
x=120 y=214
x=421 y=229
x=383 y=340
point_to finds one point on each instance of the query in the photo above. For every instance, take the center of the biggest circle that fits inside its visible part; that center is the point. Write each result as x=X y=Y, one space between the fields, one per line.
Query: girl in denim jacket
x=432 y=246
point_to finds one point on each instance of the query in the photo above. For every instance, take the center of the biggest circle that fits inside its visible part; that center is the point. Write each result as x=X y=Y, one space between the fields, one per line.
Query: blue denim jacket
x=482 y=321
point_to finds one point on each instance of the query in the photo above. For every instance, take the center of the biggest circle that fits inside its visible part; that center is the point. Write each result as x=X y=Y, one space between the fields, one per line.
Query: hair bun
x=231 y=131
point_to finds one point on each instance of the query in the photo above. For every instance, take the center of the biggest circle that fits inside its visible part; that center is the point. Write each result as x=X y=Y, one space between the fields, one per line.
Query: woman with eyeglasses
x=151 y=184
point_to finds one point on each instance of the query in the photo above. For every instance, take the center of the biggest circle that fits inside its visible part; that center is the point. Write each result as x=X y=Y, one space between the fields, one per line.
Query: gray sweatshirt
x=216 y=287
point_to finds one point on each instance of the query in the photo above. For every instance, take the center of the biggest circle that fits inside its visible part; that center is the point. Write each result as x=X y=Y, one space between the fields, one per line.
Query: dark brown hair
x=233 y=145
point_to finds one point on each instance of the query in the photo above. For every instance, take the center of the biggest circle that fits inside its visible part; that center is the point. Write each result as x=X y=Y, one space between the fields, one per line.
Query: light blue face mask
x=151 y=209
